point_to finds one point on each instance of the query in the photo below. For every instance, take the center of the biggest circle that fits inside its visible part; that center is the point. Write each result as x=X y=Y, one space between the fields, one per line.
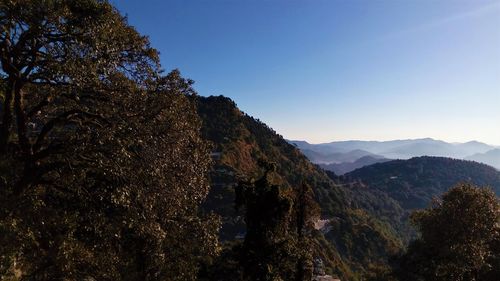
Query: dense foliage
x=414 y=182
x=278 y=238
x=276 y=244
x=102 y=166
x=459 y=238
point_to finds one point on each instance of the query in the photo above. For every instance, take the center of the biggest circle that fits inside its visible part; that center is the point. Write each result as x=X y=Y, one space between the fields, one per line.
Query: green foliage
x=363 y=239
x=243 y=141
x=459 y=238
x=277 y=242
x=414 y=182
x=391 y=190
x=267 y=251
x=102 y=166
x=379 y=272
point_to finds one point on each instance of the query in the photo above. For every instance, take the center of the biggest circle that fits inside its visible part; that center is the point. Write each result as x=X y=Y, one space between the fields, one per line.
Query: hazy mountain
x=474 y=147
x=376 y=147
x=338 y=157
x=346 y=167
x=398 y=149
x=491 y=157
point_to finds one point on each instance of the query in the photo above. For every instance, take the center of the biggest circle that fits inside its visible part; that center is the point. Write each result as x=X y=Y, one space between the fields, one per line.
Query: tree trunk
x=21 y=122
x=7 y=116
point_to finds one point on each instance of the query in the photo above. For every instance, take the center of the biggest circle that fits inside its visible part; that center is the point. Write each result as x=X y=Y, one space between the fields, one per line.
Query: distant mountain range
x=345 y=156
x=491 y=157
x=346 y=167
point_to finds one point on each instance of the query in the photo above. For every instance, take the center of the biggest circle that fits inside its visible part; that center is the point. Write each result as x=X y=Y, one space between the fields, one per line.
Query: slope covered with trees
x=414 y=182
x=353 y=238
x=391 y=191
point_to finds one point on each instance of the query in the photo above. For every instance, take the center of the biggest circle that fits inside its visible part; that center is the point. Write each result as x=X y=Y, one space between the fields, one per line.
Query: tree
x=306 y=212
x=60 y=59
x=459 y=238
x=102 y=167
x=265 y=251
x=279 y=222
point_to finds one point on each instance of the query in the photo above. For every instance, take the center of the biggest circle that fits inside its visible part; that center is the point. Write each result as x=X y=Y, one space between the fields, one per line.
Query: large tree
x=459 y=238
x=102 y=168
x=59 y=60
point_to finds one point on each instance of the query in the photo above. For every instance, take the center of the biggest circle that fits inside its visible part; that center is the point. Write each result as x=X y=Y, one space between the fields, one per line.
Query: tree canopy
x=459 y=238
x=103 y=167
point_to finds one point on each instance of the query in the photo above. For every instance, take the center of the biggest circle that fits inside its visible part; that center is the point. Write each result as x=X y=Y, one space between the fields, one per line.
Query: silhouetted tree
x=265 y=252
x=278 y=221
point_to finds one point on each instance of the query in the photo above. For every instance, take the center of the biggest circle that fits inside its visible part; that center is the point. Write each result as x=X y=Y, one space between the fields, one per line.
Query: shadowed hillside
x=413 y=183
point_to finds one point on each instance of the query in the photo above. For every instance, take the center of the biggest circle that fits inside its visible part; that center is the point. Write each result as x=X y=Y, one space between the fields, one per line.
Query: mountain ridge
x=403 y=149
x=490 y=157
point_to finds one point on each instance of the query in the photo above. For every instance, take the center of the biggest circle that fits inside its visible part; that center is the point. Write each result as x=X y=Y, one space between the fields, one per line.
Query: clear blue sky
x=323 y=70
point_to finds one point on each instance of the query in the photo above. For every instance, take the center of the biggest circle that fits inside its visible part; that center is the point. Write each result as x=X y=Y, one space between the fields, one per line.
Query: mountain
x=414 y=182
x=338 y=157
x=364 y=214
x=340 y=162
x=491 y=157
x=376 y=147
x=345 y=167
x=396 y=149
x=474 y=147
x=352 y=238
x=390 y=191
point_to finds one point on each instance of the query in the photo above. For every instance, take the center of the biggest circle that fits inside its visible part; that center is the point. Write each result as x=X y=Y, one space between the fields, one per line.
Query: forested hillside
x=392 y=190
x=352 y=240
x=414 y=182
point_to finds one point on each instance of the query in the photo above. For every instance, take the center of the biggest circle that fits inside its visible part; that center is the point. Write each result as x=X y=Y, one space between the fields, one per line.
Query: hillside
x=390 y=191
x=414 y=182
x=353 y=239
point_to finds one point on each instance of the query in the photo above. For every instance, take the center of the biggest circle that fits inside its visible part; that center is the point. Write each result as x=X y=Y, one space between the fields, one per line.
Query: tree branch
x=62 y=118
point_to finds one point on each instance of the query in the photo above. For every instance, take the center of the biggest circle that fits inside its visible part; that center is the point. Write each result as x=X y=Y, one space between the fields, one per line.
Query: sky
x=325 y=70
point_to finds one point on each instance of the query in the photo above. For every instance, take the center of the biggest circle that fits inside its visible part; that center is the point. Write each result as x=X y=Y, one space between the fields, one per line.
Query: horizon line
x=388 y=140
